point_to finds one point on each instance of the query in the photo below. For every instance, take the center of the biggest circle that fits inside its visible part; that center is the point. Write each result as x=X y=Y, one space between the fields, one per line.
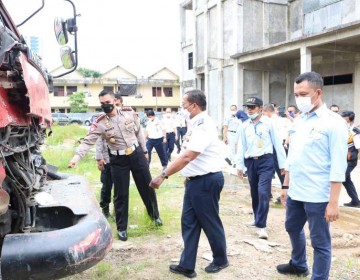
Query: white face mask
x=304 y=103
x=232 y=113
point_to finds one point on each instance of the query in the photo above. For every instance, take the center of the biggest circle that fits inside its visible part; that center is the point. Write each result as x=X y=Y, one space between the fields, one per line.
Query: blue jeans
x=297 y=214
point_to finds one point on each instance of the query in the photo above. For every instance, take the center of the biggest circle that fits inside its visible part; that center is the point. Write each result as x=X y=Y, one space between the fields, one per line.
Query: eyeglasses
x=183 y=105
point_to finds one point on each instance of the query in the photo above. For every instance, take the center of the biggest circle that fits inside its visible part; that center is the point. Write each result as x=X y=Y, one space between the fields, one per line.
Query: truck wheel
x=87 y=123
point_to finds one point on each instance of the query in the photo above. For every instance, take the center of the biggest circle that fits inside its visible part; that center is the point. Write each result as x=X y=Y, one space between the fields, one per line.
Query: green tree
x=77 y=102
x=88 y=73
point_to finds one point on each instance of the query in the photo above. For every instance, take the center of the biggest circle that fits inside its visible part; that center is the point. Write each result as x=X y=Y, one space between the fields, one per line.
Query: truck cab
x=50 y=224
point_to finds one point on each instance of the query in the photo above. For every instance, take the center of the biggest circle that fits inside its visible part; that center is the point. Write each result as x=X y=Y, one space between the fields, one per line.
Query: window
x=59 y=91
x=168 y=91
x=109 y=88
x=127 y=89
x=70 y=90
x=190 y=61
x=156 y=91
x=338 y=80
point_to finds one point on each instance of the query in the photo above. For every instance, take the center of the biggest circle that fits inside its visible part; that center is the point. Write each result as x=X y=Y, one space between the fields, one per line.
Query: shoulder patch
x=200 y=122
x=100 y=117
x=356 y=130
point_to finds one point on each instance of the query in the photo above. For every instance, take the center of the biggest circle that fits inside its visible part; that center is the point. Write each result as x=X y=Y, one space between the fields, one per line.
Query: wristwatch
x=164 y=175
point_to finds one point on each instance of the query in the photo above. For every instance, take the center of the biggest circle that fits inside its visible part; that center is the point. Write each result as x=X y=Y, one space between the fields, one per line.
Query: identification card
x=260 y=143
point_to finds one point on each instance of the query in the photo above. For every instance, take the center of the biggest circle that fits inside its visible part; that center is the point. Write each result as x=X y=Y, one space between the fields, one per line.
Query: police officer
x=103 y=163
x=259 y=138
x=352 y=158
x=171 y=132
x=127 y=151
x=200 y=162
x=231 y=128
x=156 y=137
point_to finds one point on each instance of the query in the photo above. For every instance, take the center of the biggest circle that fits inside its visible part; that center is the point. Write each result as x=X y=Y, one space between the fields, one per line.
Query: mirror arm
x=34 y=13
x=75 y=51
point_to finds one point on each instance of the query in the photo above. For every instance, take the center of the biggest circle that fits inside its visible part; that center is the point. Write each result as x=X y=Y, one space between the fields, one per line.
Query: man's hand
x=283 y=197
x=101 y=164
x=155 y=183
x=72 y=164
x=225 y=140
x=282 y=171
x=147 y=156
x=332 y=212
x=240 y=174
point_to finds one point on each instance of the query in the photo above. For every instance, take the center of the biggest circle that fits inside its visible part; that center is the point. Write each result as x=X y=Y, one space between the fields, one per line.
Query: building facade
x=157 y=92
x=242 y=48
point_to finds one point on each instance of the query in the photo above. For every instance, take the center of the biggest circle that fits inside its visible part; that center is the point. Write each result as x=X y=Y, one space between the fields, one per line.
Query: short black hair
x=198 y=97
x=150 y=113
x=335 y=106
x=314 y=79
x=349 y=114
x=105 y=92
x=118 y=96
x=293 y=106
x=269 y=107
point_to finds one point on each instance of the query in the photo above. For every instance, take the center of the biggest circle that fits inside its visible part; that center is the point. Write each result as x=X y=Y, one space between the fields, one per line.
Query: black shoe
x=212 y=268
x=122 y=235
x=158 y=222
x=278 y=200
x=180 y=270
x=352 y=205
x=245 y=174
x=288 y=268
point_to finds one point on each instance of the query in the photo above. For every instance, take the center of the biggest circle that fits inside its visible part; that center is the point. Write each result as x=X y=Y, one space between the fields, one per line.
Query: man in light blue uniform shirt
x=315 y=170
x=258 y=139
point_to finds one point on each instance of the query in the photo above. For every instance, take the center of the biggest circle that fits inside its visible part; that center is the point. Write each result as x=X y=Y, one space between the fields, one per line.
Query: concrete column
x=240 y=78
x=289 y=89
x=220 y=61
x=357 y=92
x=305 y=59
x=182 y=23
x=265 y=86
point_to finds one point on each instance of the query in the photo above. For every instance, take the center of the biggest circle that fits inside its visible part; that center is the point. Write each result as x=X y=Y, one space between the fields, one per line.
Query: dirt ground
x=250 y=258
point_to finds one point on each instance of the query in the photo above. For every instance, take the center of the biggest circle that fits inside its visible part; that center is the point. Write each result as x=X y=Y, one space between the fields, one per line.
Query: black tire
x=87 y=123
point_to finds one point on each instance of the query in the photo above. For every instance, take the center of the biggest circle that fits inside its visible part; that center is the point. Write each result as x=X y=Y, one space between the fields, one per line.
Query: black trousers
x=120 y=171
x=181 y=136
x=201 y=212
x=349 y=185
x=107 y=182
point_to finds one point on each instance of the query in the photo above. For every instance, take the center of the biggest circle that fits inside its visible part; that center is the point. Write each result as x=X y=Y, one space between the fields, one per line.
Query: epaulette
x=126 y=108
x=200 y=121
x=100 y=117
x=356 y=130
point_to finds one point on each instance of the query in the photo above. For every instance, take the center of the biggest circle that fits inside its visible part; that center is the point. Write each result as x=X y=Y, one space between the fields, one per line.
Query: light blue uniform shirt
x=317 y=155
x=260 y=139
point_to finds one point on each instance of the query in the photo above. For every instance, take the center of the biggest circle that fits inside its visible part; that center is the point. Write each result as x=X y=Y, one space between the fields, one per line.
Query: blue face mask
x=253 y=116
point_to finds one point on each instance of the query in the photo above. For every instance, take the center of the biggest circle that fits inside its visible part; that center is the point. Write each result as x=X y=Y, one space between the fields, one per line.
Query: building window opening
x=338 y=80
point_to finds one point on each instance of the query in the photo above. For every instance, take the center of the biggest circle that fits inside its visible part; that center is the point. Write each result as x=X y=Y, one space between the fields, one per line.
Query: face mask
x=253 y=116
x=304 y=103
x=168 y=115
x=233 y=113
x=186 y=114
x=348 y=125
x=107 y=108
x=291 y=114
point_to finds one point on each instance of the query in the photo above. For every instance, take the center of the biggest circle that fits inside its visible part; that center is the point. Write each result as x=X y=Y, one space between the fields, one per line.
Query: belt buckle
x=128 y=151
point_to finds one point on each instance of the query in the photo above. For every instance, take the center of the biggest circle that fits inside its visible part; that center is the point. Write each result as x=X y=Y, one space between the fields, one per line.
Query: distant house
x=156 y=92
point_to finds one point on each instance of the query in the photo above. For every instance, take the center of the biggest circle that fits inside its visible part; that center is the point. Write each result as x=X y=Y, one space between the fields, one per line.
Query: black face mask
x=107 y=108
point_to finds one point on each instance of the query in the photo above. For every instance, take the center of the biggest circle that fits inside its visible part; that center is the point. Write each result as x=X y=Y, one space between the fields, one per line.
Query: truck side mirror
x=67 y=57
x=60 y=31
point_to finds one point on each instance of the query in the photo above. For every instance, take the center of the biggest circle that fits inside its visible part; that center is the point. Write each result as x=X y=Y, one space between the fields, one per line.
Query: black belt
x=198 y=176
x=169 y=132
x=232 y=131
x=260 y=157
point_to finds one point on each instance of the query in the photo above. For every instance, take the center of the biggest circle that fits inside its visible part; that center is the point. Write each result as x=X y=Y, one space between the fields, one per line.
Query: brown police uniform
x=126 y=146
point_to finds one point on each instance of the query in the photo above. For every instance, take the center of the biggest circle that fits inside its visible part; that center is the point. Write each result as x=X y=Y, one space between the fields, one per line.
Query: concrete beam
x=305 y=59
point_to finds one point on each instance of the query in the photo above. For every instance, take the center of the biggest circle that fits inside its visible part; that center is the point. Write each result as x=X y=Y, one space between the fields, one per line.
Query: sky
x=142 y=36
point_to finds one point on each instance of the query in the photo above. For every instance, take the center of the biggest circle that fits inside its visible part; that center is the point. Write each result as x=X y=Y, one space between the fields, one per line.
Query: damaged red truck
x=50 y=224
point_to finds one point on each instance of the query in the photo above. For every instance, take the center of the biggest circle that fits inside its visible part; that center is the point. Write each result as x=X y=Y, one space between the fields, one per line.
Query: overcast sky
x=141 y=36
